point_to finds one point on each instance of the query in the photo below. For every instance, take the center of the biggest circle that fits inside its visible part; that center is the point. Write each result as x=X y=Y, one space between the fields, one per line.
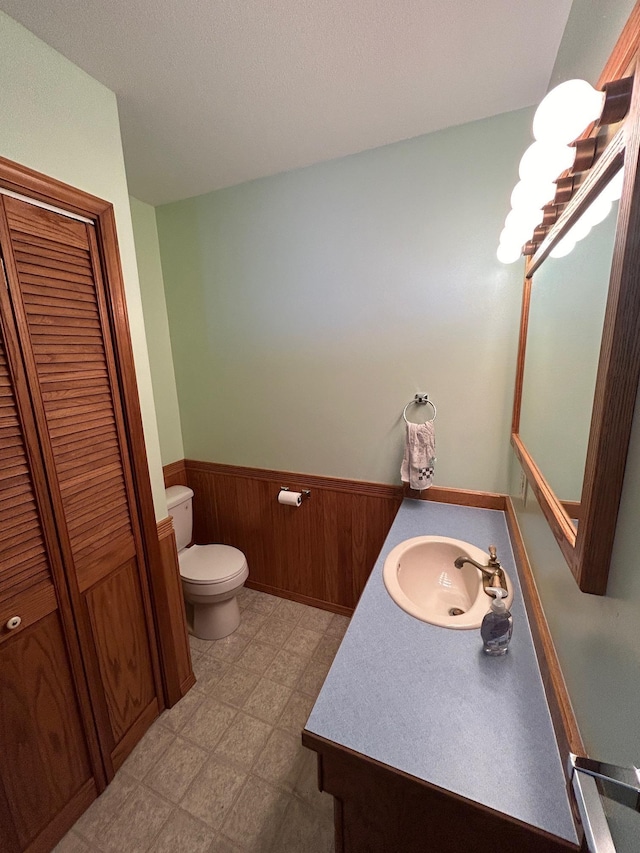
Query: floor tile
x=327 y=648
x=274 y=631
x=236 y=686
x=264 y=603
x=257 y=656
x=318 y=620
x=243 y=741
x=177 y=716
x=102 y=812
x=286 y=668
x=183 y=832
x=303 y=641
x=223 y=845
x=136 y=824
x=207 y=725
x=154 y=743
x=229 y=648
x=296 y=713
x=304 y=829
x=255 y=818
x=338 y=625
x=72 y=843
x=267 y=700
x=292 y=611
x=306 y=785
x=208 y=672
x=213 y=792
x=313 y=677
x=250 y=622
x=281 y=761
x=199 y=645
x=179 y=766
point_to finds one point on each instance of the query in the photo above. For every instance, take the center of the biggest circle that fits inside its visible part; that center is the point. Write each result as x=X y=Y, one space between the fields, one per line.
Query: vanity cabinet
x=382 y=810
x=79 y=672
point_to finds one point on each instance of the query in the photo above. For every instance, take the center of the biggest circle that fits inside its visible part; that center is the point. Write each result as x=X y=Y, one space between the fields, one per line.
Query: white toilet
x=212 y=575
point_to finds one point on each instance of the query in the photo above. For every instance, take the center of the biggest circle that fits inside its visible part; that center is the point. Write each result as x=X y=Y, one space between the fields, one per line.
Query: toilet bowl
x=211 y=575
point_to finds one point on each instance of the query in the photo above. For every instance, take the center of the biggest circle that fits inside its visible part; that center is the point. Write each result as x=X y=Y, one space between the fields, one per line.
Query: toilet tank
x=179 y=504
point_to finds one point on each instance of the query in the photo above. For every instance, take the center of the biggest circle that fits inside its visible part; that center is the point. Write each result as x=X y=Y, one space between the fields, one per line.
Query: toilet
x=212 y=575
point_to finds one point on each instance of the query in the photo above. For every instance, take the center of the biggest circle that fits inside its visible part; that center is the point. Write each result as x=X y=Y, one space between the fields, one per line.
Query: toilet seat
x=211 y=564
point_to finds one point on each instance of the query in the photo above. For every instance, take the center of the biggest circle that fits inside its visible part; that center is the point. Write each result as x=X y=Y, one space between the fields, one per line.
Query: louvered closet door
x=45 y=769
x=56 y=286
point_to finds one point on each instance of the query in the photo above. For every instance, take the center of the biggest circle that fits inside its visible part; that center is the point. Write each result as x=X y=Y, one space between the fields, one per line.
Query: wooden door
x=48 y=754
x=55 y=282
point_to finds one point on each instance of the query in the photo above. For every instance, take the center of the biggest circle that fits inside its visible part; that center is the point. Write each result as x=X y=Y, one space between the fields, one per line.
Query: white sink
x=421 y=578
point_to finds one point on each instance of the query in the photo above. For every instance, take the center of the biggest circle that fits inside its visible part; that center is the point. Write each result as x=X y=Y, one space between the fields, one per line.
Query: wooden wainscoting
x=320 y=553
x=174 y=644
x=175 y=474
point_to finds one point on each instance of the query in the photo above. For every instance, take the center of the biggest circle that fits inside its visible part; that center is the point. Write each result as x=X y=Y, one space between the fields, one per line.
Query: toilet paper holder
x=306 y=493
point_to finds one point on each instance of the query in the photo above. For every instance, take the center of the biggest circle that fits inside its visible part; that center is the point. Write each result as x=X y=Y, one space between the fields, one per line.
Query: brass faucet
x=492 y=573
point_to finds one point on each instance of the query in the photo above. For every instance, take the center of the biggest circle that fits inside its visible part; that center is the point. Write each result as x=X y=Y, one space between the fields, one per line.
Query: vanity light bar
x=564 y=113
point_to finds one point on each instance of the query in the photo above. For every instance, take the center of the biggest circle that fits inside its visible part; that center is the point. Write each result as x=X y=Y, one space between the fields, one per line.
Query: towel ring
x=420 y=400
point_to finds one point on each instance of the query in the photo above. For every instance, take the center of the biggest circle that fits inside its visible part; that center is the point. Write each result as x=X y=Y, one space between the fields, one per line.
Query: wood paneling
x=177 y=670
x=381 y=810
x=175 y=474
x=321 y=552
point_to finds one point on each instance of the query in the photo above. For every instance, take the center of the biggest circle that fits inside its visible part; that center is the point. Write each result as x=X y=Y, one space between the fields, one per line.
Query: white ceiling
x=215 y=93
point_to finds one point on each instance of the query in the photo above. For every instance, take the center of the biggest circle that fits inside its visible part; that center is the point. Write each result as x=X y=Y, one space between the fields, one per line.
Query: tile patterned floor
x=224 y=770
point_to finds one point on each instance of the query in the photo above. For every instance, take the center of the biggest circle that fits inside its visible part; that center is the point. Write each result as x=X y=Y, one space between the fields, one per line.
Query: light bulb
x=566 y=111
x=532 y=194
x=563 y=248
x=524 y=219
x=613 y=190
x=598 y=210
x=544 y=162
x=580 y=230
x=508 y=254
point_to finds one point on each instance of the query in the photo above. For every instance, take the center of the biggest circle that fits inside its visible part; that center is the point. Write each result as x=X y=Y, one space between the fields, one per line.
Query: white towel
x=419 y=456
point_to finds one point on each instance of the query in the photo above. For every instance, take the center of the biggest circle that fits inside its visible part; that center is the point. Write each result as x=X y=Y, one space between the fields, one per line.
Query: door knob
x=13 y=623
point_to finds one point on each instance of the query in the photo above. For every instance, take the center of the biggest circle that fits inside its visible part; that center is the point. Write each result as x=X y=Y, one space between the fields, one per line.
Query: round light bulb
x=510 y=238
x=524 y=219
x=580 y=230
x=613 y=190
x=508 y=254
x=532 y=194
x=566 y=111
x=598 y=210
x=544 y=162
x=563 y=248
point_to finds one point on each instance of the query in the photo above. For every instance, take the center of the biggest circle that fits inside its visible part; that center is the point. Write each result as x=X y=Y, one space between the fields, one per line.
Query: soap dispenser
x=497 y=625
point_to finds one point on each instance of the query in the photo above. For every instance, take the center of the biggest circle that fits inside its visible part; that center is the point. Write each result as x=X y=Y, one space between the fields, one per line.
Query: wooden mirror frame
x=588 y=549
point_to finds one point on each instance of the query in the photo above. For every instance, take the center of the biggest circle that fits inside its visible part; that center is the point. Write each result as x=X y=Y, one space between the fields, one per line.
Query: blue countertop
x=429 y=702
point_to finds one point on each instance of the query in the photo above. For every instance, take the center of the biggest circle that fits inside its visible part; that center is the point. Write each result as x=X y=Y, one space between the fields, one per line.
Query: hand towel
x=419 y=456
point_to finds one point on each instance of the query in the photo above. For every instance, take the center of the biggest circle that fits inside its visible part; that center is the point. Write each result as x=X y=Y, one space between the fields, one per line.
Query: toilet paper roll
x=289 y=498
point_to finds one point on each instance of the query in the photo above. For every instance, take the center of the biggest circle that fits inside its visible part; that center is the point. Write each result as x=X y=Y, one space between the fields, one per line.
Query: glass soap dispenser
x=497 y=625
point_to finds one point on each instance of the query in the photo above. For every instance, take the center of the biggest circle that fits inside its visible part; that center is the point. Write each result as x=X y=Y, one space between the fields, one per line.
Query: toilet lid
x=209 y=563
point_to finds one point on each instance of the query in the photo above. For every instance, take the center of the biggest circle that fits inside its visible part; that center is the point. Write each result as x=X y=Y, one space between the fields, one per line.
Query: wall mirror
x=579 y=352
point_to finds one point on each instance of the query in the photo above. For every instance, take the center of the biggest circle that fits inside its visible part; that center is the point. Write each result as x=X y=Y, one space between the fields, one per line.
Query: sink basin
x=421 y=578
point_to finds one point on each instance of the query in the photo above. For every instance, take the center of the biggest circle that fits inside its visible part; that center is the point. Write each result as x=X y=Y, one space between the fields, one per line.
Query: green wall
x=58 y=120
x=308 y=308
x=157 y=328
x=596 y=637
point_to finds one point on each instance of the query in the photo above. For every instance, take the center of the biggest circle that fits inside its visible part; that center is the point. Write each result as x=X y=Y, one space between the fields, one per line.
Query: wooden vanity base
x=380 y=810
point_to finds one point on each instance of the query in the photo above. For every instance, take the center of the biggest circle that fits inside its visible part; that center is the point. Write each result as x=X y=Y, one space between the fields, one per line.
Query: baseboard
x=460 y=497
x=302 y=599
